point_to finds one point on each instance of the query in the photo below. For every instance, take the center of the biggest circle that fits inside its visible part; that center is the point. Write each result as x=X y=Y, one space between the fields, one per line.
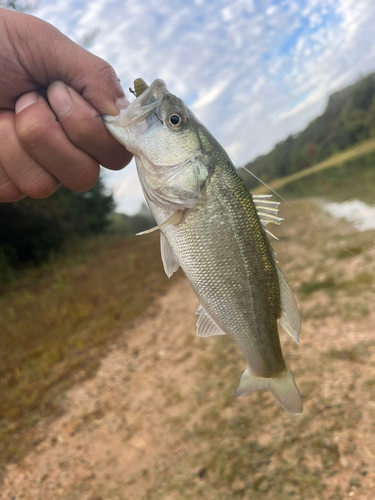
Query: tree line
x=32 y=230
x=349 y=118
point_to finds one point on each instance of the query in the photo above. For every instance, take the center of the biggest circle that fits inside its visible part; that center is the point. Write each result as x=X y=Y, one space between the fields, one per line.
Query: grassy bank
x=352 y=179
x=359 y=157
x=57 y=321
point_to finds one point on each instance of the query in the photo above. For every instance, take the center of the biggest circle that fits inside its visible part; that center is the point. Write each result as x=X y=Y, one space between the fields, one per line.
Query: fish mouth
x=141 y=107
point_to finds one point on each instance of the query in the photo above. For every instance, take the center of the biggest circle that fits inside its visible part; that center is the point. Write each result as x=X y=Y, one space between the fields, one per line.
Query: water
x=355 y=211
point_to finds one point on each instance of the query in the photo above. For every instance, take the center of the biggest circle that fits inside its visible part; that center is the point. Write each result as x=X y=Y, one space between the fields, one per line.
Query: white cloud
x=125 y=188
x=255 y=72
x=209 y=96
x=306 y=103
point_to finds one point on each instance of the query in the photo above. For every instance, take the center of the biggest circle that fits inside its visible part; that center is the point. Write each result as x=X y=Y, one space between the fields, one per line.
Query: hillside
x=348 y=119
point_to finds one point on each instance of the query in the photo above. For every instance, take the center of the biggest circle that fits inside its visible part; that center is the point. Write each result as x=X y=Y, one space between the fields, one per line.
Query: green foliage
x=313 y=286
x=349 y=118
x=32 y=229
x=124 y=225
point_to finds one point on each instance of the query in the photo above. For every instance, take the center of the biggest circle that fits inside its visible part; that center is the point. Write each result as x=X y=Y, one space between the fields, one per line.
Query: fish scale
x=228 y=289
x=214 y=229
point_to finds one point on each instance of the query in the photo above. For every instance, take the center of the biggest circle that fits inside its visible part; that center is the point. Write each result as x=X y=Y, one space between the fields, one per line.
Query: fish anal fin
x=282 y=386
x=289 y=319
x=206 y=326
x=168 y=256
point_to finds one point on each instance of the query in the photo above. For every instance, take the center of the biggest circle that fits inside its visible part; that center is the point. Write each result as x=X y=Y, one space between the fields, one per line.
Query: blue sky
x=253 y=71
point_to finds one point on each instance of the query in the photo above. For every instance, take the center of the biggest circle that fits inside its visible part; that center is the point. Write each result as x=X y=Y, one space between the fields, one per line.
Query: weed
x=355 y=353
x=313 y=286
x=349 y=251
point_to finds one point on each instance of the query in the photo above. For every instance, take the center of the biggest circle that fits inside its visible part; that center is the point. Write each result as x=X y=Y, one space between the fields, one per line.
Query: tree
x=348 y=118
x=31 y=229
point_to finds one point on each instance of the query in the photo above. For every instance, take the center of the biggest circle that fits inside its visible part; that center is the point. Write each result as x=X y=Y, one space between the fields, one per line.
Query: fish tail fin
x=282 y=386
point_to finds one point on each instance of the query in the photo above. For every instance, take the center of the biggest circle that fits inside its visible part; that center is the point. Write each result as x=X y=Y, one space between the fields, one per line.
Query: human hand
x=63 y=139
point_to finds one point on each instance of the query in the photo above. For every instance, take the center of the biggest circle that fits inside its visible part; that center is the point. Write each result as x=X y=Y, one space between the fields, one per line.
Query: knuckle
x=98 y=69
x=32 y=132
x=6 y=124
x=42 y=187
x=86 y=178
x=81 y=133
x=9 y=193
x=105 y=70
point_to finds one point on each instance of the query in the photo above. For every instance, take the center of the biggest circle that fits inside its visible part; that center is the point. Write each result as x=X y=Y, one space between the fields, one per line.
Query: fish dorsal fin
x=290 y=319
x=267 y=210
x=206 y=326
x=168 y=257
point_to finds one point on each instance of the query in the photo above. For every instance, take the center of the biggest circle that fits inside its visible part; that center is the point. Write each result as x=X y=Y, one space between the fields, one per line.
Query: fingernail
x=26 y=100
x=60 y=99
x=122 y=103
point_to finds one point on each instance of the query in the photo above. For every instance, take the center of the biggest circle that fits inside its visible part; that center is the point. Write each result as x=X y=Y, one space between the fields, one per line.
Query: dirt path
x=158 y=420
x=113 y=425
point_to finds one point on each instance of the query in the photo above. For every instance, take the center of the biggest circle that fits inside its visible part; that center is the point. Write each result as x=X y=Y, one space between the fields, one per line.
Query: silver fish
x=214 y=229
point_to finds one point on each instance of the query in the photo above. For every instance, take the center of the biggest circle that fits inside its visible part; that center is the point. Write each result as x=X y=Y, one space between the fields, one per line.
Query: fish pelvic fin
x=282 y=386
x=168 y=256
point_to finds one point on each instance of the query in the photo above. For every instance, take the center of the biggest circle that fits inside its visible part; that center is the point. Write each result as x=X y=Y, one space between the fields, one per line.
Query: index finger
x=47 y=55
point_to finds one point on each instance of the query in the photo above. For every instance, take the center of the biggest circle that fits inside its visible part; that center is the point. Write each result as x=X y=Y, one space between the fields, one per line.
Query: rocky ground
x=158 y=420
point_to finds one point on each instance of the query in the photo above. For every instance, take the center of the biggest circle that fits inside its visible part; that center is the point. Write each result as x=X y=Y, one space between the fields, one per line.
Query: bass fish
x=214 y=229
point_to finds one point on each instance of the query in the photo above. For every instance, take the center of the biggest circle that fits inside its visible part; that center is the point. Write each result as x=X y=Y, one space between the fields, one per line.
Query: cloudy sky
x=253 y=71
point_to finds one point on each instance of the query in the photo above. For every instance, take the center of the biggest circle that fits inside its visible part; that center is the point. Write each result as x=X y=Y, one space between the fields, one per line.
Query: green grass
x=312 y=286
x=349 y=251
x=352 y=179
x=351 y=156
x=56 y=322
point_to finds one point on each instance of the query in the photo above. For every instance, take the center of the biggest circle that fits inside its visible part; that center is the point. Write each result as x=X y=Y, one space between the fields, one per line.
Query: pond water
x=355 y=211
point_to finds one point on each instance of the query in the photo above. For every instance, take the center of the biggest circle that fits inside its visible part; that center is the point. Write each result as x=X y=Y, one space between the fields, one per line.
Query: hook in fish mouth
x=146 y=102
x=139 y=87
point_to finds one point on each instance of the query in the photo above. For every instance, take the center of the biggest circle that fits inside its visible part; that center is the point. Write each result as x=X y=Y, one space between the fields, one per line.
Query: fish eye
x=176 y=120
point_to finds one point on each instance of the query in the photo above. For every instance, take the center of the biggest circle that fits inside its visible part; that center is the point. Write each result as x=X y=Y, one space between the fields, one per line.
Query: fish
x=215 y=230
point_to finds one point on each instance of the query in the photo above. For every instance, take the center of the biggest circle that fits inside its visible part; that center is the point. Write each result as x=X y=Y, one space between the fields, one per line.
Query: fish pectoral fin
x=168 y=256
x=290 y=319
x=206 y=326
x=282 y=386
x=173 y=220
